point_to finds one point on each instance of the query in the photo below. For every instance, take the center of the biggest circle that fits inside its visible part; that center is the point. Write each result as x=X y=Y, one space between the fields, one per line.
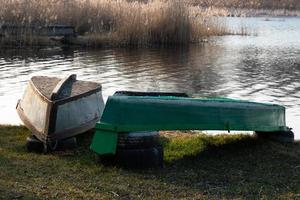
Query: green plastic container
x=127 y=113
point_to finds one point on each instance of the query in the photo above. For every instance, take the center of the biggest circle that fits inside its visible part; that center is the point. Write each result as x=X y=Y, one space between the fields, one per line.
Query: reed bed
x=115 y=22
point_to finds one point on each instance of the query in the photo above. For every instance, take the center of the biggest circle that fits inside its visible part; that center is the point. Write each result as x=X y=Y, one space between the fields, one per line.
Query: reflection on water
x=264 y=68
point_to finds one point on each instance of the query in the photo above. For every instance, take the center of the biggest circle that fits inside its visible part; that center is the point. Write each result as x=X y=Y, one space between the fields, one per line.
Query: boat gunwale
x=194 y=99
x=64 y=100
x=107 y=126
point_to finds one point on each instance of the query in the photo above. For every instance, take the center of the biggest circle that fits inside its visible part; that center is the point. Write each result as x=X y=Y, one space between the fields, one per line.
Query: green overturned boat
x=135 y=112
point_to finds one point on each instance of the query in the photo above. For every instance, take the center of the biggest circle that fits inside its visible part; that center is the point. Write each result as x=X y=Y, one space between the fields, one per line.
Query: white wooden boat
x=55 y=109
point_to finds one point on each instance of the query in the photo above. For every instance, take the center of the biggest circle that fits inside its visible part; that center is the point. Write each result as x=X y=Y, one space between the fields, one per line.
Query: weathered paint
x=37 y=116
x=75 y=113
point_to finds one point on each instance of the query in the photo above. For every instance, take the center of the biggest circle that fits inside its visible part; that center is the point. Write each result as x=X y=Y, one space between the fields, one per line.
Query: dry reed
x=117 y=22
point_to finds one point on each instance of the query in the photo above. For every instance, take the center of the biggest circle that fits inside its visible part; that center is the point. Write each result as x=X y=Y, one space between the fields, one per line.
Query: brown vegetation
x=117 y=23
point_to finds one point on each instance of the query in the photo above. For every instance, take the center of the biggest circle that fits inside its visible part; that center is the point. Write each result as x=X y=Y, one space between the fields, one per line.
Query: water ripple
x=263 y=68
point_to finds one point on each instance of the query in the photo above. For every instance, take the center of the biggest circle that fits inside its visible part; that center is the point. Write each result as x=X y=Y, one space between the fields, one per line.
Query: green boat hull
x=126 y=113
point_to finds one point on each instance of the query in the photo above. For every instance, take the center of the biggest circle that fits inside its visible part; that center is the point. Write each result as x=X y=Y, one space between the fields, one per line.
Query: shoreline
x=249 y=12
x=103 y=40
x=84 y=42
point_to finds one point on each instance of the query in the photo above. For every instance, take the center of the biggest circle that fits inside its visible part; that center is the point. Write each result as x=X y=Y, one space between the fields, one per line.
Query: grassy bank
x=110 y=23
x=196 y=167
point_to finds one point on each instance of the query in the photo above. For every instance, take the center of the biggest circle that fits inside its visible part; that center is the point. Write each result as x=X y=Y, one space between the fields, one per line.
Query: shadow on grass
x=228 y=166
x=231 y=166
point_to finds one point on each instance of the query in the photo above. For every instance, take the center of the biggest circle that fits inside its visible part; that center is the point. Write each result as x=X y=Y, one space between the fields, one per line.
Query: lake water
x=263 y=67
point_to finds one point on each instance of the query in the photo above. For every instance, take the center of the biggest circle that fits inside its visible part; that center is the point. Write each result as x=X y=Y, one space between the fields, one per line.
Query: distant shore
x=105 y=23
x=247 y=12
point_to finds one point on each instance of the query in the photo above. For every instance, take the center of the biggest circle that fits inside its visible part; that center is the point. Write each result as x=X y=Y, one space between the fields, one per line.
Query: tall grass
x=117 y=22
